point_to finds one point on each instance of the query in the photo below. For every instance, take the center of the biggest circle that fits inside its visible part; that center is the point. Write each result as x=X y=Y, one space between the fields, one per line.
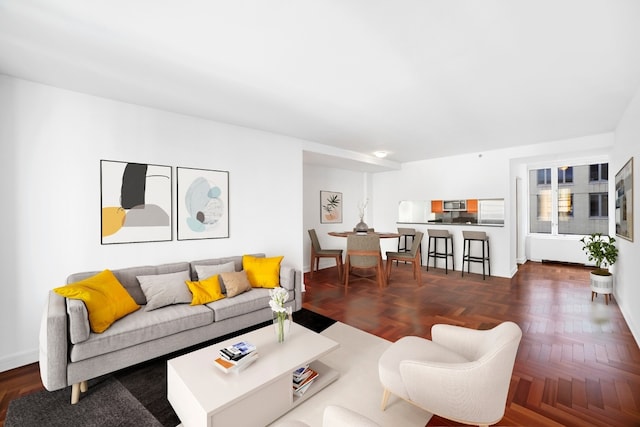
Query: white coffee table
x=203 y=395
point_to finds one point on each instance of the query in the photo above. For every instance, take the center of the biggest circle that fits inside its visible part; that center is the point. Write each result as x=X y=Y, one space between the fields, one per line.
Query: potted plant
x=602 y=250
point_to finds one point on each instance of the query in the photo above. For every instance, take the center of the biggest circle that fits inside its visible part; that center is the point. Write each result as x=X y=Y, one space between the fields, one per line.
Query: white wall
x=51 y=143
x=627 y=269
x=352 y=186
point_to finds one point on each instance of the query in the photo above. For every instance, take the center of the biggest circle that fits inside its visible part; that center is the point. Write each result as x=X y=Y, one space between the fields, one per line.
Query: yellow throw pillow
x=205 y=291
x=104 y=296
x=262 y=272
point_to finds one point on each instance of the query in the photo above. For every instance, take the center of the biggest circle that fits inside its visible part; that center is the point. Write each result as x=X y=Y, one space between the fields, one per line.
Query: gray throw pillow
x=206 y=271
x=165 y=289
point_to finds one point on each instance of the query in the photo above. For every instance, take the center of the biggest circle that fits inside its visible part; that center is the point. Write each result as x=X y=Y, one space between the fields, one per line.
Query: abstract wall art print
x=203 y=204
x=330 y=207
x=136 y=202
x=624 y=201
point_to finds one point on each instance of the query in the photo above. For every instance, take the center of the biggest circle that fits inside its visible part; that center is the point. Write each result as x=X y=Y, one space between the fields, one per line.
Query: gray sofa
x=70 y=354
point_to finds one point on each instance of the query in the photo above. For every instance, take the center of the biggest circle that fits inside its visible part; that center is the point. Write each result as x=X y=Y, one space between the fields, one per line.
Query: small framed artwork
x=136 y=202
x=203 y=204
x=330 y=207
x=624 y=201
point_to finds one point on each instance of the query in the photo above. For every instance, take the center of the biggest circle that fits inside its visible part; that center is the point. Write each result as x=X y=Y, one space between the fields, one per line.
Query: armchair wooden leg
x=385 y=398
x=84 y=386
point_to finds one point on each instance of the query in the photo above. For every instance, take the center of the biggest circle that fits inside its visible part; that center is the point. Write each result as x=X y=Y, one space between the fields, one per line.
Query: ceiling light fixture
x=380 y=154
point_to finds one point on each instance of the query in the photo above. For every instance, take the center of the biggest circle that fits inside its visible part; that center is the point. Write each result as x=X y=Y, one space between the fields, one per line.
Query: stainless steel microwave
x=454 y=205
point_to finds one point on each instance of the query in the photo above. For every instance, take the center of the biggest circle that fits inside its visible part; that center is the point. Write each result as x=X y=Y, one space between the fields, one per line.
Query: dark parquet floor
x=577 y=365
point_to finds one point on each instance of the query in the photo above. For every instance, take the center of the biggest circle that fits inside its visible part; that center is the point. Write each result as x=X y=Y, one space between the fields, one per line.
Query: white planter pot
x=601 y=285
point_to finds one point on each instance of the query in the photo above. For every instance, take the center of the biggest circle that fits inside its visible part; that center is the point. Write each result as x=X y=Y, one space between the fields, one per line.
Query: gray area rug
x=106 y=403
x=136 y=396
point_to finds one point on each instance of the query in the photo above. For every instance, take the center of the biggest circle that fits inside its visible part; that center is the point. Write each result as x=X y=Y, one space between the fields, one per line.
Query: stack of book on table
x=302 y=379
x=236 y=357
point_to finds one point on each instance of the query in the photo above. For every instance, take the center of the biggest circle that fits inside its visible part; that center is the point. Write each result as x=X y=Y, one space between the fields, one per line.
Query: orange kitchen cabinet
x=436 y=206
x=472 y=205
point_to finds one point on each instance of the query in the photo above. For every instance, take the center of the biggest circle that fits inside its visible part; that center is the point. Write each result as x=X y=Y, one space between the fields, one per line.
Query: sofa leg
x=75 y=393
x=76 y=389
x=385 y=398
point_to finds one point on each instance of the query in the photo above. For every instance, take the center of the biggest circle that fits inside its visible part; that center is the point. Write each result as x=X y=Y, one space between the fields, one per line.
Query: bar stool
x=475 y=236
x=436 y=235
x=406 y=233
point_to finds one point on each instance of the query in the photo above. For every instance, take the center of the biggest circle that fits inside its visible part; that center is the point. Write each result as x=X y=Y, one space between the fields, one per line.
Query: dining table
x=383 y=234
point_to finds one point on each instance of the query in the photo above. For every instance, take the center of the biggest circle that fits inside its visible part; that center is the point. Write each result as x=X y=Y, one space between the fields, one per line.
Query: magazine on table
x=306 y=378
x=227 y=365
x=237 y=351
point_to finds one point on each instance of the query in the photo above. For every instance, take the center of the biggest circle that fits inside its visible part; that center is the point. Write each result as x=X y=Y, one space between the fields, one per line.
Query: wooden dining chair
x=363 y=252
x=413 y=256
x=317 y=252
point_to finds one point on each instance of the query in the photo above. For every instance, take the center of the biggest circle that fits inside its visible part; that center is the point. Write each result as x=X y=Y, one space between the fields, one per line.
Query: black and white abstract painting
x=136 y=202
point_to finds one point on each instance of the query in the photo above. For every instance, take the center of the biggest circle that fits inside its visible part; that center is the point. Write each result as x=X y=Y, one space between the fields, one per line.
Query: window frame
x=553 y=188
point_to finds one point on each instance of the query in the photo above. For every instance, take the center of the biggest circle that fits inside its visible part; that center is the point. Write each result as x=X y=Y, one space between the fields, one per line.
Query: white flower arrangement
x=278 y=297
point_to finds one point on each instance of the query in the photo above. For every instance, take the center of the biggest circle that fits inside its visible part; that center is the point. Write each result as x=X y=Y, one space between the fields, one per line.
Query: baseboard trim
x=18 y=359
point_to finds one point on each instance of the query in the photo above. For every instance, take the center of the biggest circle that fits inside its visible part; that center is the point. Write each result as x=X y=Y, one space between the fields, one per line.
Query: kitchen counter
x=466 y=224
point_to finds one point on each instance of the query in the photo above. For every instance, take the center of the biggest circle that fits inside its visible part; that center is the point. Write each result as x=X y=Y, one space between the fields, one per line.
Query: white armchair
x=462 y=374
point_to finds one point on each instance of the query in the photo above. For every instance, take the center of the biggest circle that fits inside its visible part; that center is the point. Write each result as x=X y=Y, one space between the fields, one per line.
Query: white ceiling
x=419 y=79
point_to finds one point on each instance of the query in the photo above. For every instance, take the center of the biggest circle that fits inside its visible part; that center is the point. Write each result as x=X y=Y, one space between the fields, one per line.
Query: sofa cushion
x=128 y=277
x=206 y=271
x=105 y=298
x=143 y=326
x=235 y=283
x=262 y=272
x=206 y=290
x=237 y=263
x=79 y=328
x=244 y=303
x=165 y=289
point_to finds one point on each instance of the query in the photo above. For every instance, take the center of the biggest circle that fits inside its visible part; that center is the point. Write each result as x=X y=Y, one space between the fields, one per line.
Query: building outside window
x=544 y=176
x=569 y=200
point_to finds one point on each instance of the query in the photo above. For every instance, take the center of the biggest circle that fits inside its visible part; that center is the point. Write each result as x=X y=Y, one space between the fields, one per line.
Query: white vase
x=282 y=324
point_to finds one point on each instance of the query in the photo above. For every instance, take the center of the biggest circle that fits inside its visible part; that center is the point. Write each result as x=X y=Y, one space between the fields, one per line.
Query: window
x=544 y=206
x=565 y=202
x=570 y=200
x=544 y=176
x=599 y=172
x=598 y=205
x=565 y=175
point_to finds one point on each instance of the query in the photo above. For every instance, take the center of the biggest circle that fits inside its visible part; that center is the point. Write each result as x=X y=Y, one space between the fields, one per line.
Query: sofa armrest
x=291 y=279
x=54 y=343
